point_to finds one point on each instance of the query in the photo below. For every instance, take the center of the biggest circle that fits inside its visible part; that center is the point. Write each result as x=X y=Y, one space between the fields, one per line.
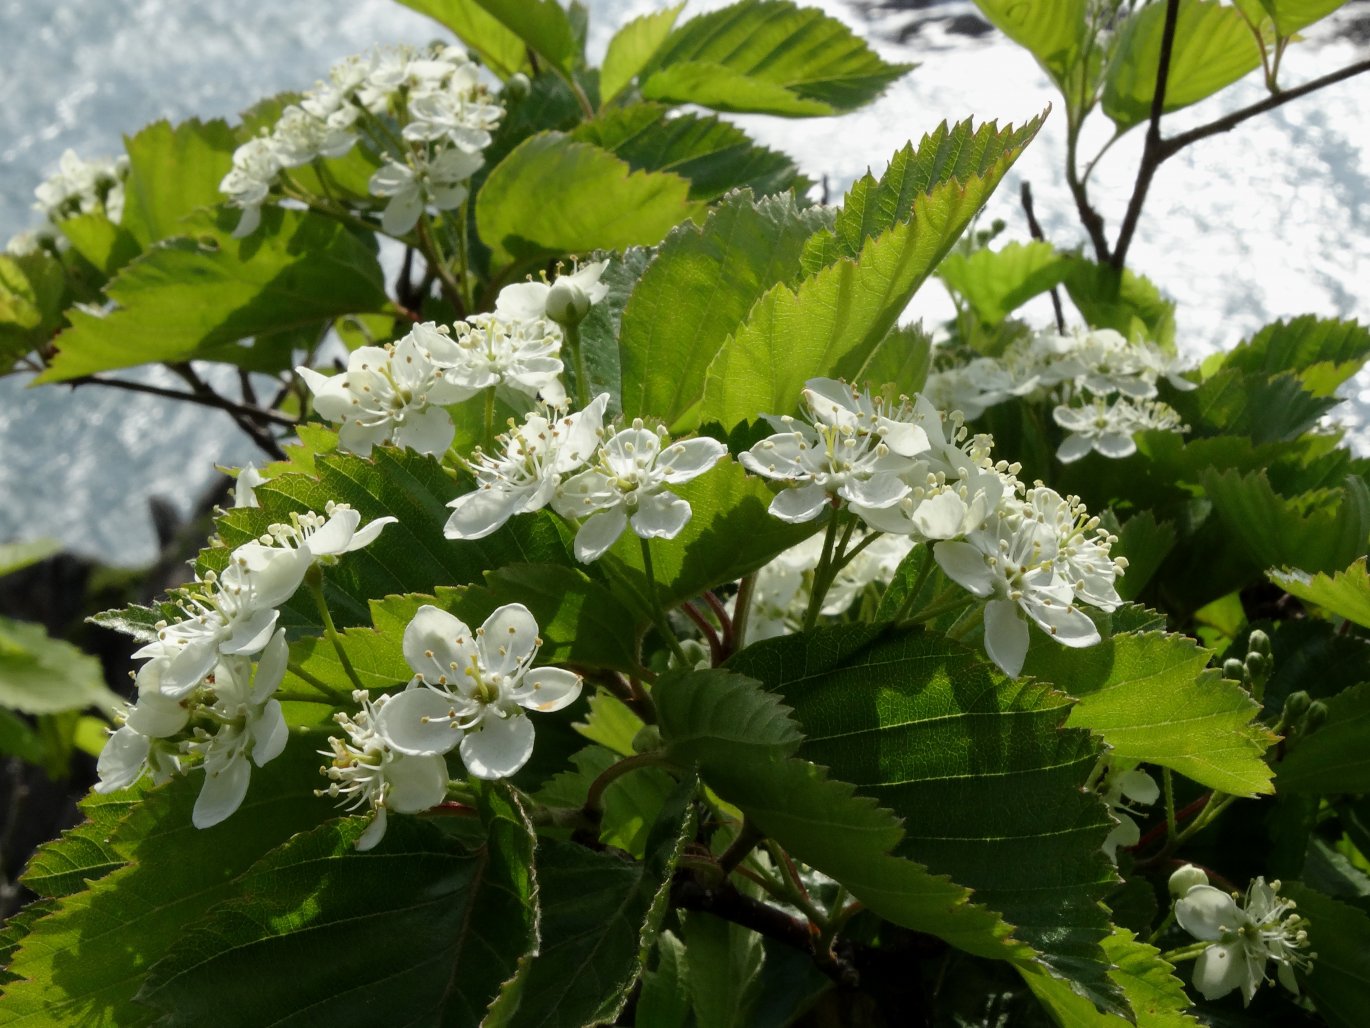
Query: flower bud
x=647 y=740
x=517 y=87
x=1258 y=642
x=1316 y=716
x=567 y=303
x=1185 y=879
x=1234 y=670
x=1296 y=706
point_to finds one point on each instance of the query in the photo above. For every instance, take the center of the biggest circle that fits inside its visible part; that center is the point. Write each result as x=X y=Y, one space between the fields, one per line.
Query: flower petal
x=799 y=505
x=598 y=533
x=1220 y=969
x=499 y=747
x=429 y=431
x=269 y=733
x=547 y=689
x=477 y=514
x=375 y=831
x=684 y=460
x=333 y=537
x=661 y=516
x=508 y=639
x=1006 y=636
x=221 y=794
x=1207 y=913
x=121 y=761
x=419 y=722
x=965 y=565
x=416 y=783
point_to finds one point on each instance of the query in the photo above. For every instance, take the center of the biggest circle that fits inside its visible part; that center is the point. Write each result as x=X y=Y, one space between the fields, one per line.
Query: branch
x=210 y=399
x=1151 y=152
x=250 y=426
x=1035 y=230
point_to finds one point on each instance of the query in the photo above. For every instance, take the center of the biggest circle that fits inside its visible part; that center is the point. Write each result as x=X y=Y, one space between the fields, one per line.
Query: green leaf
x=1156 y=997
x=1339 y=981
x=43 y=675
x=1265 y=408
x=33 y=295
x=832 y=322
x=986 y=771
x=18 y=739
x=1052 y=30
x=769 y=57
x=14 y=556
x=190 y=295
x=542 y=25
x=1335 y=757
x=1126 y=302
x=501 y=50
x=600 y=331
x=664 y=1001
x=997 y=282
x=1292 y=15
x=819 y=821
x=83 y=854
x=631 y=48
x=724 y=961
x=173 y=171
x=1213 y=48
x=106 y=245
x=454 y=919
x=1315 y=532
x=1153 y=698
x=1145 y=542
x=553 y=196
x=1345 y=594
x=598 y=914
x=717 y=271
x=713 y=154
x=1321 y=352
x=84 y=961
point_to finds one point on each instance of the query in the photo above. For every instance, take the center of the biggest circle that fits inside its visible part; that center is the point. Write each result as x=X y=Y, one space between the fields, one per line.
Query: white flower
x=628 y=484
x=129 y=754
x=300 y=135
x=248 y=183
x=856 y=449
x=363 y=771
x=491 y=350
x=251 y=724
x=438 y=182
x=1243 y=940
x=1082 y=553
x=572 y=294
x=460 y=114
x=392 y=394
x=1108 y=428
x=1118 y=789
x=83 y=187
x=537 y=455
x=245 y=485
x=473 y=689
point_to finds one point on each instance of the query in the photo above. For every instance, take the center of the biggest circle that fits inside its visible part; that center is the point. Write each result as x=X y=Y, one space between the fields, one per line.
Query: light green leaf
x=14 y=556
x=1125 y=302
x=33 y=294
x=997 y=282
x=1153 y=698
x=1292 y=15
x=106 y=245
x=1339 y=981
x=769 y=57
x=501 y=50
x=713 y=154
x=1345 y=594
x=86 y=853
x=542 y=25
x=174 y=171
x=553 y=196
x=43 y=675
x=190 y=295
x=454 y=919
x=1334 y=757
x=1265 y=408
x=833 y=320
x=985 y=770
x=1213 y=48
x=717 y=271
x=1053 y=30
x=18 y=739
x=631 y=48
x=1322 y=352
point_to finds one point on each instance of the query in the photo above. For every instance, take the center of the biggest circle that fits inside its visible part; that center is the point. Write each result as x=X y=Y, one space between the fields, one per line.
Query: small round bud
x=1296 y=706
x=1185 y=879
x=517 y=87
x=567 y=303
x=647 y=740
x=1234 y=670
x=1258 y=642
x=1316 y=716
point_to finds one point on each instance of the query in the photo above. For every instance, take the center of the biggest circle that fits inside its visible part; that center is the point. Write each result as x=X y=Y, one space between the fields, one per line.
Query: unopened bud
x=1258 y=642
x=1185 y=879
x=1234 y=670
x=1296 y=706
x=1316 y=716
x=567 y=303
x=517 y=87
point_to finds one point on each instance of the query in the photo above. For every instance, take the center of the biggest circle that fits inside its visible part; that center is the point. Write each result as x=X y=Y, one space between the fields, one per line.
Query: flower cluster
x=1243 y=937
x=206 y=689
x=425 y=114
x=77 y=187
x=1104 y=386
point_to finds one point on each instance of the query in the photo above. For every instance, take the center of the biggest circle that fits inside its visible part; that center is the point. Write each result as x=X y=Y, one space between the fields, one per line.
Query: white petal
x=416 y=783
x=276 y=571
x=661 y=516
x=251 y=633
x=157 y=716
x=1125 y=833
x=684 y=460
x=375 y=831
x=508 y=639
x=876 y=491
x=477 y=514
x=121 y=761
x=1067 y=624
x=524 y=301
x=499 y=748
x=402 y=212
x=354 y=437
x=435 y=640
x=336 y=533
x=547 y=689
x=965 y=565
x=1205 y=913
x=799 y=505
x=366 y=536
x=1220 y=969
x=427 y=431
x=1006 y=636
x=598 y=533
x=941 y=516
x=418 y=723
x=1115 y=445
x=221 y=794
x=269 y=733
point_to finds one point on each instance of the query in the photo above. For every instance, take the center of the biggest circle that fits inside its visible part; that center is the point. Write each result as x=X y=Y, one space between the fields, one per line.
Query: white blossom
x=492 y=350
x=248 y=183
x=1120 y=788
x=473 y=689
x=83 y=187
x=300 y=136
x=437 y=182
x=568 y=294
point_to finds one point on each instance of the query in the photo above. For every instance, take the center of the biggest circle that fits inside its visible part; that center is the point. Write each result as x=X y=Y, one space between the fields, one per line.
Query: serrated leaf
x=454 y=918
x=724 y=961
x=1213 y=48
x=833 y=320
x=500 y=50
x=1153 y=698
x=717 y=714
x=1145 y=542
x=598 y=914
x=1339 y=980
x=106 y=245
x=542 y=25
x=1345 y=594
x=818 y=820
x=43 y=675
x=1322 y=352
x=717 y=271
x=632 y=47
x=1265 y=407
x=33 y=295
x=997 y=282
x=984 y=768
x=553 y=196
x=67 y=864
x=190 y=295
x=769 y=57
x=14 y=556
x=1335 y=757
x=713 y=154
x=85 y=960
x=601 y=329
x=172 y=172
x=137 y=622
x=1053 y=31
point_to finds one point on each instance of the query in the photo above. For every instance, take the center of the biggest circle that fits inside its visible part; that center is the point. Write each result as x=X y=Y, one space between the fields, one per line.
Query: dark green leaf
x=1339 y=982
x=1322 y=353
x=1335 y=757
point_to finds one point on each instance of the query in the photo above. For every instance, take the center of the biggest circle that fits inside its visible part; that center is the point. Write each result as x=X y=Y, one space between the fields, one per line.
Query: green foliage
x=173 y=172
x=1345 y=594
x=1323 y=353
x=43 y=675
x=1054 y=32
x=14 y=556
x=997 y=282
x=1340 y=934
x=500 y=49
x=632 y=48
x=542 y=25
x=32 y=295
x=104 y=244
x=1331 y=758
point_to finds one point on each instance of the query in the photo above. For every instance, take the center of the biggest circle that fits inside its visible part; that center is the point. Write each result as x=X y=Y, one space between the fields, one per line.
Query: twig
x=716 y=651
x=210 y=399
x=259 y=435
x=1035 y=229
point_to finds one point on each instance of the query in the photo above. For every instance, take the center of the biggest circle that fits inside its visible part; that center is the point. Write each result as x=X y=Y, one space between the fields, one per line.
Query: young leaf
x=1334 y=757
x=174 y=171
x=454 y=920
x=1053 y=30
x=33 y=296
x=769 y=57
x=500 y=50
x=717 y=272
x=1153 y=698
x=631 y=48
x=106 y=245
x=43 y=675
x=1322 y=352
x=1345 y=594
x=997 y=282
x=553 y=196
x=1213 y=48
x=189 y=295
